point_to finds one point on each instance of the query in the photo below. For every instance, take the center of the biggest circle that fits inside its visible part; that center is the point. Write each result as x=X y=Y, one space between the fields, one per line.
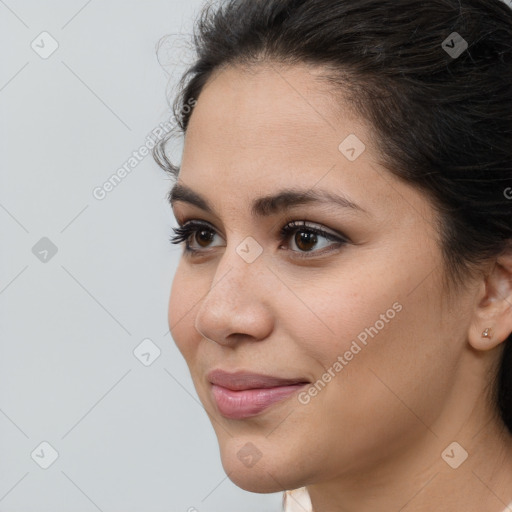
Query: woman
x=344 y=297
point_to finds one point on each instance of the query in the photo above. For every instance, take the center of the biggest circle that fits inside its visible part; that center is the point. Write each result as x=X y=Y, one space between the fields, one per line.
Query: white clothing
x=298 y=501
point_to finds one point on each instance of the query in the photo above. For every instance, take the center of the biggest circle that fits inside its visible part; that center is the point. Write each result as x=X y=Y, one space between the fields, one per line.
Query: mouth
x=242 y=395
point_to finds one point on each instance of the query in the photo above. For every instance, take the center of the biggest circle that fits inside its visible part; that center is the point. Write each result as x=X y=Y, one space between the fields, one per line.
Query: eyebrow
x=267 y=205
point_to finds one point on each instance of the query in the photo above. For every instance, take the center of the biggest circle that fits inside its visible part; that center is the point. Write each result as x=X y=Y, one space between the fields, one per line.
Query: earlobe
x=487 y=333
x=492 y=322
x=485 y=339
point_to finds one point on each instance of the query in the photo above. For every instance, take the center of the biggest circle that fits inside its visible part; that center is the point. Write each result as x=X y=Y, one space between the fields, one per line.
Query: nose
x=237 y=305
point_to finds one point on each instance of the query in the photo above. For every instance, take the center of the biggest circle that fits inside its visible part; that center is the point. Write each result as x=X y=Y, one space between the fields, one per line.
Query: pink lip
x=242 y=394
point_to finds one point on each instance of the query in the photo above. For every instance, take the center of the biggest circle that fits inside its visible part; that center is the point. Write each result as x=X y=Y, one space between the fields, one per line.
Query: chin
x=257 y=483
x=257 y=470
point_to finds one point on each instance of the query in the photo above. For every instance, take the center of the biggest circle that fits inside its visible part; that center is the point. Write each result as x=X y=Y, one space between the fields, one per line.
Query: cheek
x=342 y=317
x=183 y=302
x=372 y=336
x=380 y=370
x=378 y=312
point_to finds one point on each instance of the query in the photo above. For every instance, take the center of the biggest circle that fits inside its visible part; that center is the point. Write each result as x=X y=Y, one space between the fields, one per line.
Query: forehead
x=255 y=131
x=269 y=122
x=265 y=105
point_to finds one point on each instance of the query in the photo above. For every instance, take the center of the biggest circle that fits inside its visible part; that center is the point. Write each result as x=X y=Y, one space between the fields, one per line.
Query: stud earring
x=487 y=333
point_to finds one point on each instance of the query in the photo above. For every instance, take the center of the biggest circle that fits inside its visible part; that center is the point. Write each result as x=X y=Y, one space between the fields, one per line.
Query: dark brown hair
x=441 y=112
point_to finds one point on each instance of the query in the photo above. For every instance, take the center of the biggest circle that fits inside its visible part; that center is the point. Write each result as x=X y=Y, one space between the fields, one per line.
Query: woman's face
x=364 y=322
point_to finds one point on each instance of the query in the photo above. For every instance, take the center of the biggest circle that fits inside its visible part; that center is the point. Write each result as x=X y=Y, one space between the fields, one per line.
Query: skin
x=373 y=437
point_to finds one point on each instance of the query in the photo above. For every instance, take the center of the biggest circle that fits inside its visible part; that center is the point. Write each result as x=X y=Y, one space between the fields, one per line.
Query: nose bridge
x=236 y=274
x=233 y=304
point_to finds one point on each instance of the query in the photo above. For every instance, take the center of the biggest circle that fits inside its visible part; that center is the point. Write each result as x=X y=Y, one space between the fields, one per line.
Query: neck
x=424 y=476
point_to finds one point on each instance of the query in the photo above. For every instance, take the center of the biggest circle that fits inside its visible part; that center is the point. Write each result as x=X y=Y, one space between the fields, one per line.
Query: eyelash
x=183 y=234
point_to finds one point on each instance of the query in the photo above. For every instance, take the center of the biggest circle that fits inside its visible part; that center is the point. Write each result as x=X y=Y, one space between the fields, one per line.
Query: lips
x=242 y=395
x=245 y=380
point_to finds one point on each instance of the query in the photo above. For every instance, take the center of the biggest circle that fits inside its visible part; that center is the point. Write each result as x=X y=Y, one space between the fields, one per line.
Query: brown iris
x=204 y=235
x=305 y=238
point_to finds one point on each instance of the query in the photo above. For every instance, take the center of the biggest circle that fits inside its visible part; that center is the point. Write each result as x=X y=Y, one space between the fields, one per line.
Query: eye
x=198 y=231
x=305 y=237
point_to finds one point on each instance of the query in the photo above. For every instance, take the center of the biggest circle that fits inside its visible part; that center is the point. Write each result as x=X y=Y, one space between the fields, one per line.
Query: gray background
x=129 y=437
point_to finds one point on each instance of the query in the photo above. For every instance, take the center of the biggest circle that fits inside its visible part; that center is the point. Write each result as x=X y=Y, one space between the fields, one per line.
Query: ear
x=494 y=310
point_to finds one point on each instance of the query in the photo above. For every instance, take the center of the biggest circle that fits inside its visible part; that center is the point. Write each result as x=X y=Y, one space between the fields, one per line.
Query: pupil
x=307 y=238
